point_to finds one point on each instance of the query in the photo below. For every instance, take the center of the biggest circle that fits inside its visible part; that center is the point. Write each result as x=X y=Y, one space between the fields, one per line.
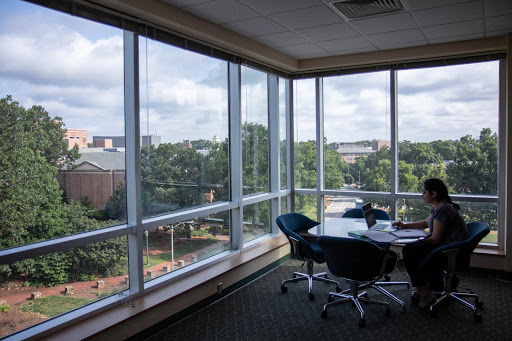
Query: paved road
x=339 y=206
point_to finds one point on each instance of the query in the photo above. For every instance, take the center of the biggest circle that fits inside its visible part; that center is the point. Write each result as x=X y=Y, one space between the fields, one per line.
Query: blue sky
x=74 y=69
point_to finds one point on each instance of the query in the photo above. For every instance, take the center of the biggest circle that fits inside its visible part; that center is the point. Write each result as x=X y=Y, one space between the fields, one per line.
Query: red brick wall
x=98 y=187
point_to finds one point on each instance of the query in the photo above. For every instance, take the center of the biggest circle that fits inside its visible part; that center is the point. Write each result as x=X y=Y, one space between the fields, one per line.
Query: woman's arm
x=422 y=224
x=437 y=234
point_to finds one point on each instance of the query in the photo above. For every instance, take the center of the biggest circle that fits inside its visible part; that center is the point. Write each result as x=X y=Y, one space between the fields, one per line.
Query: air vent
x=356 y=9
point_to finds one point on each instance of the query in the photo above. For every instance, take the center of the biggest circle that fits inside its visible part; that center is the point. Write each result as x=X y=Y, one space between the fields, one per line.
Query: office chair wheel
x=324 y=314
x=294 y=276
x=387 y=278
x=415 y=297
x=362 y=323
x=433 y=312
x=479 y=304
x=311 y=296
x=283 y=288
x=388 y=312
x=477 y=316
x=338 y=289
x=330 y=299
x=403 y=310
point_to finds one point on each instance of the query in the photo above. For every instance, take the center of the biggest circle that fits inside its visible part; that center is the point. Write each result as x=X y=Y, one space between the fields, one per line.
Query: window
x=357 y=132
x=255 y=137
x=452 y=135
x=305 y=134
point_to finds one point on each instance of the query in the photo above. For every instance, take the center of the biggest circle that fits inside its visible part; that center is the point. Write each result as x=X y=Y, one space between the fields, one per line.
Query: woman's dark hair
x=438 y=186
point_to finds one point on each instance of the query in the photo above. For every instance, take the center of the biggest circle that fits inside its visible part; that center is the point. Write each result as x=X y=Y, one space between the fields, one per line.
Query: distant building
x=117 y=141
x=378 y=144
x=349 y=151
x=96 y=176
x=186 y=145
x=148 y=140
x=76 y=137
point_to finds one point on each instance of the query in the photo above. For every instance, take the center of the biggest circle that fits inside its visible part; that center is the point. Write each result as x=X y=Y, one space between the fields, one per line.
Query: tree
x=31 y=152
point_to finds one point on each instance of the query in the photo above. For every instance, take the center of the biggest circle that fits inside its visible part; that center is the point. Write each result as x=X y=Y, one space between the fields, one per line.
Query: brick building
x=96 y=176
x=76 y=137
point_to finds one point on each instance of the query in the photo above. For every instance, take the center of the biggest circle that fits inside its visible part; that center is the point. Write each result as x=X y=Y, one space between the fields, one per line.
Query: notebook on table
x=371 y=222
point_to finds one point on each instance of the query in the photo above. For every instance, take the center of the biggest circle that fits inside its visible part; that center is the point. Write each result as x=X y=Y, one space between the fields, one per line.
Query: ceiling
x=305 y=29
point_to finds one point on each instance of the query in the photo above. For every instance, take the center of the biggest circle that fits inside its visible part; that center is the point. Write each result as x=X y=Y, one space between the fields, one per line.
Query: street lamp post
x=172 y=247
x=147 y=246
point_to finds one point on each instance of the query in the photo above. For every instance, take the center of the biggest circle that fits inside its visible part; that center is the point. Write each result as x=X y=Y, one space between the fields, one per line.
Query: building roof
x=104 y=160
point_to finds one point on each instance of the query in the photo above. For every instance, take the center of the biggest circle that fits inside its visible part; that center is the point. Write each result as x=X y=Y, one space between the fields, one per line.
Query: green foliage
x=4 y=308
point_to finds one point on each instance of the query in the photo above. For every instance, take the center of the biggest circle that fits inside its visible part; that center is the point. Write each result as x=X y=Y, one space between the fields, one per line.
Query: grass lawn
x=187 y=247
x=54 y=305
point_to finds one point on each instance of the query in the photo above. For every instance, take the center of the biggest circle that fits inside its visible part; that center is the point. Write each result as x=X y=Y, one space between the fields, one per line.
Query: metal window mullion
x=290 y=145
x=274 y=148
x=235 y=154
x=320 y=168
x=133 y=174
x=394 y=142
x=504 y=145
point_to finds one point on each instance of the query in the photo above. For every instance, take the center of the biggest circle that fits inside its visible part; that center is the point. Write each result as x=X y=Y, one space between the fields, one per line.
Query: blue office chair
x=361 y=263
x=440 y=267
x=358 y=213
x=307 y=252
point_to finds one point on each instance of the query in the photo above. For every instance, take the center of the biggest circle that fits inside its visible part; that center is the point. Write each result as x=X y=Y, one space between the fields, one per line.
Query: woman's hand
x=398 y=224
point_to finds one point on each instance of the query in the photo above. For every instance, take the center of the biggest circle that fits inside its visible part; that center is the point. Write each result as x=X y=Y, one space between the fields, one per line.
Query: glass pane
x=256 y=220
x=357 y=132
x=175 y=246
x=254 y=132
x=336 y=206
x=453 y=134
x=306 y=204
x=184 y=129
x=284 y=205
x=305 y=133
x=283 y=120
x=36 y=290
x=61 y=94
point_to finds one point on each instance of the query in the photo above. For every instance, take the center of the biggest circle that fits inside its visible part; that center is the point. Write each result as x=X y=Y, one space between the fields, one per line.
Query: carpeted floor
x=260 y=311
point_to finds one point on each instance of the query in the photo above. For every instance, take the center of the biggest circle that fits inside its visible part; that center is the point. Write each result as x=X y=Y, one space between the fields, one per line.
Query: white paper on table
x=379 y=236
x=409 y=233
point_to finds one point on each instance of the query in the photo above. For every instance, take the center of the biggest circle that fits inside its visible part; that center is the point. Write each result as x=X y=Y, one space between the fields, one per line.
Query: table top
x=340 y=227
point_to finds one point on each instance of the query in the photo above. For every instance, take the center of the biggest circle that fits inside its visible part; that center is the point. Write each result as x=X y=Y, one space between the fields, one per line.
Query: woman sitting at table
x=446 y=225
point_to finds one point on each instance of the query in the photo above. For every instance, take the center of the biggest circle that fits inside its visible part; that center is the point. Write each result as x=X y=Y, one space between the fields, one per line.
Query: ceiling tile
x=277 y=6
x=384 y=40
x=305 y=18
x=255 y=27
x=222 y=11
x=452 y=39
x=302 y=49
x=315 y=55
x=345 y=44
x=454 y=30
x=281 y=39
x=381 y=24
x=497 y=7
x=449 y=14
x=355 y=51
x=502 y=24
x=328 y=32
x=414 y=5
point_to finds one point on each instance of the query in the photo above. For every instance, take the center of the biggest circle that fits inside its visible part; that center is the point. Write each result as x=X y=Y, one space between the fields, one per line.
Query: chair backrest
x=289 y=223
x=380 y=214
x=476 y=232
x=358 y=213
x=353 y=213
x=356 y=259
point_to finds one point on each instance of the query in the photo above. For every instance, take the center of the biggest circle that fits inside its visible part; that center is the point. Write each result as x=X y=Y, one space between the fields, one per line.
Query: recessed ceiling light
x=356 y=9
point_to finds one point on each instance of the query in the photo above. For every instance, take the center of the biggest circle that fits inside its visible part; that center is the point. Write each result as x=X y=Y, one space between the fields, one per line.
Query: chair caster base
x=477 y=316
x=311 y=296
x=362 y=323
x=283 y=288
x=324 y=314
